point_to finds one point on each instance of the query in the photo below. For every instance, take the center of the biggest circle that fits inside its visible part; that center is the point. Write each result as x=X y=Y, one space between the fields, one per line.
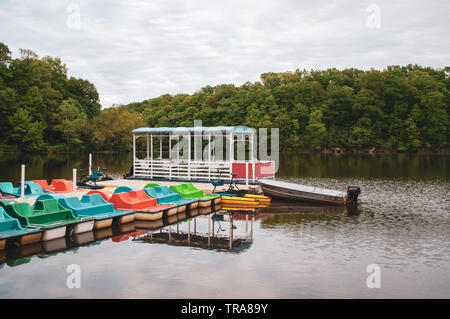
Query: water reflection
x=49 y=166
x=402 y=223
x=219 y=233
x=57 y=165
x=281 y=206
x=183 y=229
x=351 y=165
x=21 y=255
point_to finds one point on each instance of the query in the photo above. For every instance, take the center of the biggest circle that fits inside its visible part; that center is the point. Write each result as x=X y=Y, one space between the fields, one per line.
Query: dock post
x=209 y=232
x=74 y=176
x=170 y=234
x=246 y=174
x=231 y=232
x=151 y=156
x=251 y=226
x=189 y=157
x=189 y=232
x=246 y=224
x=22 y=180
x=90 y=164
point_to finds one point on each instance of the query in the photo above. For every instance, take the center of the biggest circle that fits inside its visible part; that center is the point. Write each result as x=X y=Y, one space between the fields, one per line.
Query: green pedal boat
x=93 y=206
x=48 y=215
x=189 y=191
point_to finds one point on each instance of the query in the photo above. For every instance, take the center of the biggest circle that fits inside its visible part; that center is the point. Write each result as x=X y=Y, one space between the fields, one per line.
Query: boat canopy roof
x=197 y=129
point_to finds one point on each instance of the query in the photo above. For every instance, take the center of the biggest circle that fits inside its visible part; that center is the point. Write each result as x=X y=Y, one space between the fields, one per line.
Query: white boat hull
x=302 y=193
x=83 y=227
x=54 y=233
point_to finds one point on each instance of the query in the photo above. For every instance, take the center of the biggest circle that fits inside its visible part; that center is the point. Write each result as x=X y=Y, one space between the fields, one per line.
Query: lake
x=401 y=228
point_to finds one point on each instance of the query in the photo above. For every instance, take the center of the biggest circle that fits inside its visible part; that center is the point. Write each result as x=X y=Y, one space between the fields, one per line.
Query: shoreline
x=328 y=151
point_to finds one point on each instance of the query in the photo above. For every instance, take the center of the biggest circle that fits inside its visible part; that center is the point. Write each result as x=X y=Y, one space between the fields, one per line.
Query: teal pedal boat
x=93 y=206
x=165 y=196
x=125 y=189
x=48 y=215
x=11 y=230
x=189 y=191
x=31 y=189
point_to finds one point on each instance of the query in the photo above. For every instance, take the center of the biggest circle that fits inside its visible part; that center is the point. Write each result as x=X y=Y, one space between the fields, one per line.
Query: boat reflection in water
x=16 y=256
x=22 y=255
x=227 y=230
x=200 y=229
x=291 y=207
x=205 y=239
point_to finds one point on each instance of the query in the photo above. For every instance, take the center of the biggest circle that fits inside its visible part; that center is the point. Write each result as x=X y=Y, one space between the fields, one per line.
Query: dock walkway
x=206 y=187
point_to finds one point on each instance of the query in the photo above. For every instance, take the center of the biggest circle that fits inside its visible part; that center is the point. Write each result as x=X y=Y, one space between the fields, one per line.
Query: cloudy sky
x=133 y=50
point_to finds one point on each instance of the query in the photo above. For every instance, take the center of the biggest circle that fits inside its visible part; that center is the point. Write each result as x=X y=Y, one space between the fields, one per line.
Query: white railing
x=168 y=169
x=193 y=170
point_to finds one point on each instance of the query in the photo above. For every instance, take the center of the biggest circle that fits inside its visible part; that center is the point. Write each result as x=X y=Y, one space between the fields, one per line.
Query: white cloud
x=135 y=50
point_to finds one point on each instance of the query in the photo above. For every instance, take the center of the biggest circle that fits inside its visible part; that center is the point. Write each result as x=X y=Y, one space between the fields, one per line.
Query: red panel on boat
x=62 y=186
x=43 y=184
x=261 y=170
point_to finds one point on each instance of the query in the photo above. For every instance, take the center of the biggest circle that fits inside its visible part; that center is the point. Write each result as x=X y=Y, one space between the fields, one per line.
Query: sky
x=133 y=50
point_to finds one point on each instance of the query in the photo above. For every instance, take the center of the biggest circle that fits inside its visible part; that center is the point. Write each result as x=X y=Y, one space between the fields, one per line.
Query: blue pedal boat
x=125 y=189
x=11 y=230
x=94 y=206
x=31 y=189
x=165 y=196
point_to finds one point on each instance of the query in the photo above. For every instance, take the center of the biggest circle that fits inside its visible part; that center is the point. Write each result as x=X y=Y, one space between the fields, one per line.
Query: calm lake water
x=402 y=224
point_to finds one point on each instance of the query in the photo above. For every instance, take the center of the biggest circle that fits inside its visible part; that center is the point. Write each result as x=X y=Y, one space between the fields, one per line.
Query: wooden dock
x=112 y=184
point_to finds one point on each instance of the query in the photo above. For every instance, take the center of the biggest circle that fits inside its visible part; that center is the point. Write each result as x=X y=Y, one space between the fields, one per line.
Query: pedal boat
x=96 y=207
x=57 y=185
x=189 y=191
x=31 y=189
x=165 y=196
x=48 y=215
x=12 y=231
x=144 y=206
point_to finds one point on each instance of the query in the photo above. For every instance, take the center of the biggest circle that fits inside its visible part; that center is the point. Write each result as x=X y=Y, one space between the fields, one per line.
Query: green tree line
x=400 y=108
x=43 y=109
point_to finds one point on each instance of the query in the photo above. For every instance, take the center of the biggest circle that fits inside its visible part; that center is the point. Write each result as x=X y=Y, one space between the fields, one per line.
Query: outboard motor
x=352 y=194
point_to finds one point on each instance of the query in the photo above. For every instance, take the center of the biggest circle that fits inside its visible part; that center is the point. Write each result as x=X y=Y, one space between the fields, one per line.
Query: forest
x=397 y=109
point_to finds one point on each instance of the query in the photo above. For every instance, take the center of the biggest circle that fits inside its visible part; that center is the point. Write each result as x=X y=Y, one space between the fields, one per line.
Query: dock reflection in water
x=200 y=228
x=188 y=233
x=135 y=231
